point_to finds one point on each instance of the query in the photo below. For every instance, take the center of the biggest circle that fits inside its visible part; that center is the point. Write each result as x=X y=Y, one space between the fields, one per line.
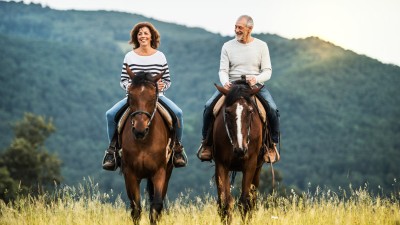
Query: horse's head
x=142 y=100
x=237 y=112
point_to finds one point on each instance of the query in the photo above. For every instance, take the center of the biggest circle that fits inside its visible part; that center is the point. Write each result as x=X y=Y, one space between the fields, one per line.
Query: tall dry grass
x=86 y=205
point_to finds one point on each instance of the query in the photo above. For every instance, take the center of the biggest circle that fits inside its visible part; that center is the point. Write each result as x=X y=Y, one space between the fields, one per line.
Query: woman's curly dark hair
x=155 y=36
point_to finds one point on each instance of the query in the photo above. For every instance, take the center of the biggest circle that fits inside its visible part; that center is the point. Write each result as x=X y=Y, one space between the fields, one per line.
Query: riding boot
x=111 y=155
x=271 y=154
x=204 y=153
x=180 y=158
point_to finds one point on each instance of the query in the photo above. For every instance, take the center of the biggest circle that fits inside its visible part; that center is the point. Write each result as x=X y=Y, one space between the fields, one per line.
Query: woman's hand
x=160 y=85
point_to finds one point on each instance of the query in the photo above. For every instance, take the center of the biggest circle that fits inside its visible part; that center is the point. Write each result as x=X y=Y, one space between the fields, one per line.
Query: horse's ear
x=129 y=71
x=256 y=90
x=158 y=76
x=221 y=89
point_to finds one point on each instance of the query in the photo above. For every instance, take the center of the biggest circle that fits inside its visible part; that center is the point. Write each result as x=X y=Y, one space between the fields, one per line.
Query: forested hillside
x=339 y=110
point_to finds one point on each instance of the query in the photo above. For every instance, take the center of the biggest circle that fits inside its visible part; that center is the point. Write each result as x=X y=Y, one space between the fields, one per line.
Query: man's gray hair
x=249 y=20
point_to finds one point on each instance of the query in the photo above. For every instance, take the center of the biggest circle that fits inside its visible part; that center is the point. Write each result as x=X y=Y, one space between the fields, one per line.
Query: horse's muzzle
x=240 y=152
x=137 y=134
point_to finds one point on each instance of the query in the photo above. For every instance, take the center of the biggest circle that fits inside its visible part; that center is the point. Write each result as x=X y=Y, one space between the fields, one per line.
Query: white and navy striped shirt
x=155 y=64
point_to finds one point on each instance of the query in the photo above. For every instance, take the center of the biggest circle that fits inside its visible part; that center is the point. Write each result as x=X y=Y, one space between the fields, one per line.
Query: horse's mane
x=142 y=78
x=239 y=89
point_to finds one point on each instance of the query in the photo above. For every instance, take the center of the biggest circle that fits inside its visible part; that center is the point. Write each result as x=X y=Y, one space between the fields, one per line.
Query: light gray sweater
x=245 y=59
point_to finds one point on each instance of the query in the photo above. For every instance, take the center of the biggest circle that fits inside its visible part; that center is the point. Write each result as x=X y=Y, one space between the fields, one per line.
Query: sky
x=369 y=27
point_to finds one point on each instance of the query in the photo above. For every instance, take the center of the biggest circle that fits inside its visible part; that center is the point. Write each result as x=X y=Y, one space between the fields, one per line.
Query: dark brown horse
x=146 y=144
x=237 y=141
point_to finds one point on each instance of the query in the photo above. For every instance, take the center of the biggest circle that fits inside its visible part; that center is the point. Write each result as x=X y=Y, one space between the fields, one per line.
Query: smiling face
x=242 y=31
x=144 y=36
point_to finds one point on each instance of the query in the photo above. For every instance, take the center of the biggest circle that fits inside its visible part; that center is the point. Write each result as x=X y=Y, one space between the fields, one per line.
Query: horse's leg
x=150 y=190
x=254 y=187
x=132 y=185
x=170 y=167
x=157 y=205
x=245 y=202
x=225 y=200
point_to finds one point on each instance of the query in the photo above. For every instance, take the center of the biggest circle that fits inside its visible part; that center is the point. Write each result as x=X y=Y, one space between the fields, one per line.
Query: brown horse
x=146 y=141
x=237 y=141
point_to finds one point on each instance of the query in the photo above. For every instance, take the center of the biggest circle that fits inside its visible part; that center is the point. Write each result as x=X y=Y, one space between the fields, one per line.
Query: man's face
x=241 y=30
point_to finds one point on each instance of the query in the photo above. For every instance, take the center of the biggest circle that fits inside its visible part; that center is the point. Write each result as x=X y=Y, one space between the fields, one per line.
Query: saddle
x=263 y=114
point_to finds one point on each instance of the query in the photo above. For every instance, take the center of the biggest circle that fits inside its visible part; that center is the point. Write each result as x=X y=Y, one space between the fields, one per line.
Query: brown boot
x=110 y=159
x=272 y=155
x=204 y=153
x=180 y=158
x=111 y=156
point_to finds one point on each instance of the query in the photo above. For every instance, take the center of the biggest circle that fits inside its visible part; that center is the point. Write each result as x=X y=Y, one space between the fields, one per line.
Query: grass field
x=85 y=205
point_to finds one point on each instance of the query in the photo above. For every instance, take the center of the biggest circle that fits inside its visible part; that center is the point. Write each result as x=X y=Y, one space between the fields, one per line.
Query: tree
x=26 y=161
x=266 y=186
x=8 y=186
x=34 y=129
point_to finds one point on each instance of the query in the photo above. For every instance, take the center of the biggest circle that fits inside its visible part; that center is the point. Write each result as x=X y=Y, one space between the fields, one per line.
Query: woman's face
x=144 y=36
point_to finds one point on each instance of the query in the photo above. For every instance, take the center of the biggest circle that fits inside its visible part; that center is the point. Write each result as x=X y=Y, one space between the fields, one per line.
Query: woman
x=144 y=57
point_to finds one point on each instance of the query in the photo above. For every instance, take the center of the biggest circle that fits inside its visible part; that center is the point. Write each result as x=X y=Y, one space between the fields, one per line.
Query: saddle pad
x=122 y=120
x=164 y=113
x=218 y=105
x=261 y=109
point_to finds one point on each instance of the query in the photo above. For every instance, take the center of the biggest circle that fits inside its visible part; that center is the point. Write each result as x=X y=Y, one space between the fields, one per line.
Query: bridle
x=139 y=112
x=228 y=131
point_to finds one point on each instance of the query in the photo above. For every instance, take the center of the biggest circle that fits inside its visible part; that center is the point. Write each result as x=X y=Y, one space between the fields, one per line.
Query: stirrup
x=201 y=150
x=110 y=160
x=271 y=155
x=179 y=155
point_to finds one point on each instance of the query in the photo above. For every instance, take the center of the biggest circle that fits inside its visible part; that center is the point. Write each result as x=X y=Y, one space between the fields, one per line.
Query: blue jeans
x=110 y=117
x=112 y=112
x=272 y=113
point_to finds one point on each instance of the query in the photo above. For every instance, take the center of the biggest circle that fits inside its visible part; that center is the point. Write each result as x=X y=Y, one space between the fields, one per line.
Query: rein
x=139 y=112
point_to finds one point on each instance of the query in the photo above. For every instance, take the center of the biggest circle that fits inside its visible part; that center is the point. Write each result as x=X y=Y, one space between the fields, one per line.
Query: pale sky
x=370 y=27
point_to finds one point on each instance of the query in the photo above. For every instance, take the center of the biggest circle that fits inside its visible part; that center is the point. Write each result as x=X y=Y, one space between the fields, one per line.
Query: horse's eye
x=251 y=110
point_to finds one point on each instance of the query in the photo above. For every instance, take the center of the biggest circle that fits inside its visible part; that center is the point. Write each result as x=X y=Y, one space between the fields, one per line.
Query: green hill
x=338 y=109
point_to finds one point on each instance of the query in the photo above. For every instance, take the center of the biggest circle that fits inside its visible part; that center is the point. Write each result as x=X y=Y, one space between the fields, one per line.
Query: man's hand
x=251 y=80
x=227 y=85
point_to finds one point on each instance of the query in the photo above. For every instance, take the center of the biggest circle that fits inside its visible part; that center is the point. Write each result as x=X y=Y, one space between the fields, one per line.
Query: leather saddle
x=260 y=107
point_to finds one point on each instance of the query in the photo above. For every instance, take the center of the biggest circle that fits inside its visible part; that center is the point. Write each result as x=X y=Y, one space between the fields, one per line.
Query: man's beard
x=239 y=37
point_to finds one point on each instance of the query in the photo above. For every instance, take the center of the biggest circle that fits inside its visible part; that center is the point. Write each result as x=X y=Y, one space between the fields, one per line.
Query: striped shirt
x=155 y=64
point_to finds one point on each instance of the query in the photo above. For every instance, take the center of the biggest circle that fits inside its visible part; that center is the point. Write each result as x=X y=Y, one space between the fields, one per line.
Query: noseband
x=139 y=112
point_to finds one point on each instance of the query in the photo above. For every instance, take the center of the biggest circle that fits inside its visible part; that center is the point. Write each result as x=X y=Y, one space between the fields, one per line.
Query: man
x=249 y=56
